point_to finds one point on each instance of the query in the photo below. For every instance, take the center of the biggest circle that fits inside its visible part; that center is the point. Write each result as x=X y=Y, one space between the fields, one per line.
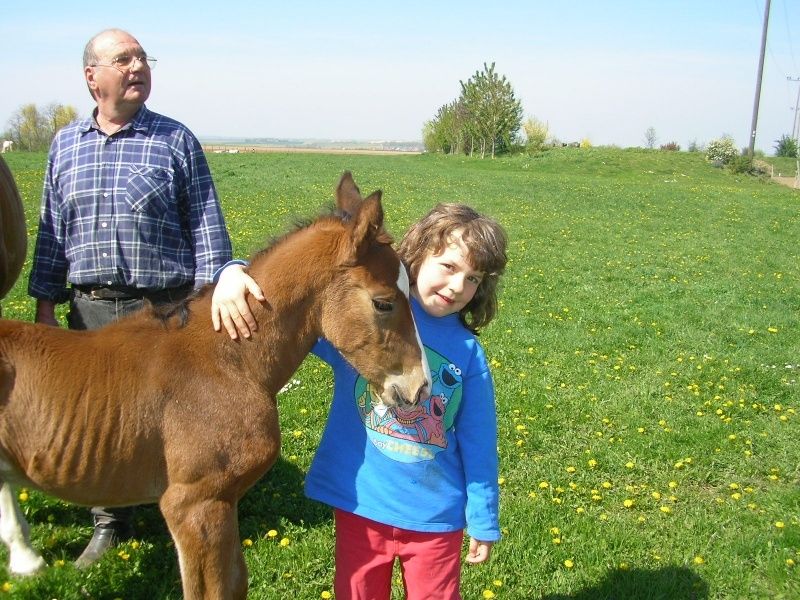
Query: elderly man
x=129 y=213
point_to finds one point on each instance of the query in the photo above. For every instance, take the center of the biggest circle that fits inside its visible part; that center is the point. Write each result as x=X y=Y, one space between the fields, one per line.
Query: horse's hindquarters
x=13 y=232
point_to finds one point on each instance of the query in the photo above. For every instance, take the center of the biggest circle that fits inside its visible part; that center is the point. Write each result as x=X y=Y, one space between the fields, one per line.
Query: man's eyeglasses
x=125 y=62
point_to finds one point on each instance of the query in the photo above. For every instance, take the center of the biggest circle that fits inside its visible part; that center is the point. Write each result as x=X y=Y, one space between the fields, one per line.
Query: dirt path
x=787 y=181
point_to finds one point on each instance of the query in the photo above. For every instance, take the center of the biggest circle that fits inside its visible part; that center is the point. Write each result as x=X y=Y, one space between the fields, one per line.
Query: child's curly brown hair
x=485 y=241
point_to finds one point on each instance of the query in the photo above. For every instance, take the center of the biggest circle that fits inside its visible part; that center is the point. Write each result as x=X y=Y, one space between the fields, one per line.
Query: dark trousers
x=86 y=312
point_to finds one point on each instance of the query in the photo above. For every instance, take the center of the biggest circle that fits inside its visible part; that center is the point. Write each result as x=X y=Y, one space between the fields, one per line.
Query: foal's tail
x=13 y=232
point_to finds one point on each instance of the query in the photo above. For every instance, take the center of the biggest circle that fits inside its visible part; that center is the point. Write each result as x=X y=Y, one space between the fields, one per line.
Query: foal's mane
x=177 y=314
x=330 y=215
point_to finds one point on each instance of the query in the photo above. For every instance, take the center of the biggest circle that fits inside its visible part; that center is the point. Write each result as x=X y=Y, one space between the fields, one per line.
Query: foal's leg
x=206 y=534
x=14 y=531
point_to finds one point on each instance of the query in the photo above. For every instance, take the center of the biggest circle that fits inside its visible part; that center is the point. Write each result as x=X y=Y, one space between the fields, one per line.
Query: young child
x=404 y=483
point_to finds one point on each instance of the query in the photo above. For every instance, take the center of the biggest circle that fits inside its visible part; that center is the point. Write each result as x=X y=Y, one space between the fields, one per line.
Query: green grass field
x=647 y=363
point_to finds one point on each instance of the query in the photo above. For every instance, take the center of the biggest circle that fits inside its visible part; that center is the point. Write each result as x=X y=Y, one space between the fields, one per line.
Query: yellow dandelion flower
x=501 y=480
x=623 y=566
x=628 y=503
x=736 y=496
x=247 y=542
x=656 y=495
x=272 y=533
x=571 y=469
x=284 y=542
x=698 y=560
x=59 y=563
x=554 y=531
x=123 y=555
x=497 y=583
x=580 y=510
x=488 y=594
x=606 y=485
x=630 y=464
x=790 y=562
x=779 y=524
x=23 y=496
x=672 y=485
x=557 y=541
x=543 y=485
x=772 y=329
x=665 y=509
x=7 y=586
x=326 y=595
x=592 y=463
x=734 y=486
x=569 y=563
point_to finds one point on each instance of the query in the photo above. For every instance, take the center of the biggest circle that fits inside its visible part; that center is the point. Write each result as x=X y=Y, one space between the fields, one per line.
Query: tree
x=33 y=129
x=786 y=146
x=445 y=132
x=650 y=137
x=536 y=133
x=493 y=114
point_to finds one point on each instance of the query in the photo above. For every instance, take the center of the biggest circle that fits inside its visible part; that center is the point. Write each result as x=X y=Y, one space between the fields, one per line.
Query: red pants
x=365 y=553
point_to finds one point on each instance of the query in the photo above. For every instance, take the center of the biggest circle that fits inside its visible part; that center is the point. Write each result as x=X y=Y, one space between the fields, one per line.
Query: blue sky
x=602 y=70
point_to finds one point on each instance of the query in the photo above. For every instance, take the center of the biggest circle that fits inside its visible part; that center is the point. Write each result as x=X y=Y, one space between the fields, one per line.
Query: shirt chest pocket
x=149 y=190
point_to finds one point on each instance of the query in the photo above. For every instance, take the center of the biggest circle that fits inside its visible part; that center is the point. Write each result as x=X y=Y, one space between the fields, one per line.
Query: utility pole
x=758 y=81
x=796 y=135
x=796 y=119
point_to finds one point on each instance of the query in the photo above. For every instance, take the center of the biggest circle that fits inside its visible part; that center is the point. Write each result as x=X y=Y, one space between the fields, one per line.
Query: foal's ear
x=365 y=228
x=348 y=196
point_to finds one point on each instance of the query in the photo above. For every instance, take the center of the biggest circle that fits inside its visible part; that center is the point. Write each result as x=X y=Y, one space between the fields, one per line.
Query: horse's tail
x=13 y=231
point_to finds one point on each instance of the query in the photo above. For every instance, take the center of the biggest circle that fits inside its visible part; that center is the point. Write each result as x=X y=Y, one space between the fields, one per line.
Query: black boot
x=105 y=537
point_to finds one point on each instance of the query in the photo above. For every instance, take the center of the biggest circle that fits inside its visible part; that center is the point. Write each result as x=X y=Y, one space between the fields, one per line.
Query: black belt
x=122 y=292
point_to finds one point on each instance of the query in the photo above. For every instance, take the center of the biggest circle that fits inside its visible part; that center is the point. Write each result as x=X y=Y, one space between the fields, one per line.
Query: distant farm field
x=647 y=364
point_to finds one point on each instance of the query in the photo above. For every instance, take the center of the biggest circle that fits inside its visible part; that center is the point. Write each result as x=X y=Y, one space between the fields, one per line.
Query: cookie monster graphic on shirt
x=415 y=433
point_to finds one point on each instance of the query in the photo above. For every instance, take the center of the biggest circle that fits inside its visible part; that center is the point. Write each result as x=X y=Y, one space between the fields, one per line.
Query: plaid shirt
x=137 y=208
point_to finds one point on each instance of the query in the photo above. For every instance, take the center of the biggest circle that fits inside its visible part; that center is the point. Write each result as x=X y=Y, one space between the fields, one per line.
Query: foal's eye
x=382 y=306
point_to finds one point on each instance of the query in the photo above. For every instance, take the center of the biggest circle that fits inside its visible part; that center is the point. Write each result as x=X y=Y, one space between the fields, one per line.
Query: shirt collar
x=140 y=122
x=451 y=320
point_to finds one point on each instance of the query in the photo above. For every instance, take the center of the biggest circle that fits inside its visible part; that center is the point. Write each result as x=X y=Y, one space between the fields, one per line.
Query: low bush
x=722 y=150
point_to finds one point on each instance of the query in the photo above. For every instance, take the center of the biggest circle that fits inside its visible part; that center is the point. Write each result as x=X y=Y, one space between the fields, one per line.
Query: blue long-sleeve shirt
x=434 y=469
x=137 y=208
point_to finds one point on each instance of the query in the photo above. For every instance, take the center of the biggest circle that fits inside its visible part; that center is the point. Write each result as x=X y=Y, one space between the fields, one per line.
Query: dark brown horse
x=165 y=410
x=13 y=235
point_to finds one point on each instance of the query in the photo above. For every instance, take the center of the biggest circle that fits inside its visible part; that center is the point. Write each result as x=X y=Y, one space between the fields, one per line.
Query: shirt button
x=103 y=224
x=105 y=254
x=109 y=283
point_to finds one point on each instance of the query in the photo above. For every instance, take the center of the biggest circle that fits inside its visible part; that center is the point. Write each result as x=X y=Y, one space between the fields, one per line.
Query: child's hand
x=229 y=303
x=478 y=551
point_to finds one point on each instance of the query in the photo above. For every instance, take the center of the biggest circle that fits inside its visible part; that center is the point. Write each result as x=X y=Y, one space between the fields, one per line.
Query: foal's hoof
x=26 y=563
x=103 y=539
